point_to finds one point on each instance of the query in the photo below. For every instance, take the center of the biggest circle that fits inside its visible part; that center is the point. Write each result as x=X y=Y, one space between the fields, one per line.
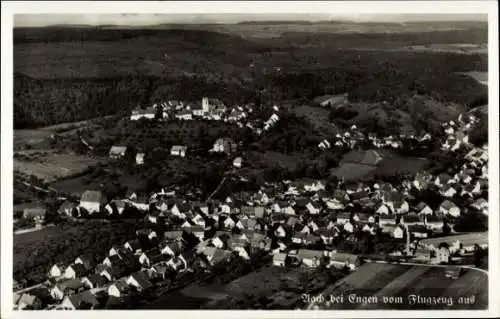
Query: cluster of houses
x=352 y=137
x=297 y=222
x=457 y=132
x=209 y=109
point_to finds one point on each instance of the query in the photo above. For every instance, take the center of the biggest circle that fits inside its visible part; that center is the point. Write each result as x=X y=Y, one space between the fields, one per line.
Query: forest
x=224 y=65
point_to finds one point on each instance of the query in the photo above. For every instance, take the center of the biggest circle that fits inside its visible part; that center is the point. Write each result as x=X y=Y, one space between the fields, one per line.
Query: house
x=334 y=204
x=140 y=113
x=224 y=145
x=117 y=152
x=331 y=100
x=398 y=232
x=443 y=255
x=260 y=242
x=382 y=209
x=447 y=191
x=184 y=115
x=279 y=259
x=386 y=220
x=133 y=246
x=418 y=231
x=151 y=257
x=67 y=208
x=449 y=208
x=35 y=212
x=310 y=258
x=57 y=270
x=29 y=301
x=86 y=261
x=178 y=150
x=369 y=228
x=140 y=202
x=343 y=218
x=348 y=227
x=139 y=158
x=442 y=180
x=341 y=260
x=119 y=288
x=92 y=201
x=83 y=300
x=280 y=232
x=411 y=219
x=423 y=209
x=116 y=206
x=313 y=208
x=65 y=288
x=197 y=109
x=112 y=260
x=94 y=281
x=139 y=280
x=237 y=162
x=359 y=196
x=170 y=248
x=215 y=255
x=400 y=207
x=75 y=271
x=328 y=235
x=434 y=223
x=480 y=204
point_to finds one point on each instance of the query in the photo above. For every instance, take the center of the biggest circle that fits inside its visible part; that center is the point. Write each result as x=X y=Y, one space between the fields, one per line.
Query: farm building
x=178 y=150
x=36 y=212
x=92 y=201
x=341 y=260
x=237 y=162
x=331 y=100
x=139 y=158
x=310 y=258
x=279 y=259
x=117 y=152
x=147 y=113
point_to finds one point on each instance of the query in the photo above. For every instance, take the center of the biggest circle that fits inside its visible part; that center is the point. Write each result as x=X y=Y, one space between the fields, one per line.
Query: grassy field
x=51 y=166
x=399 y=282
x=481 y=77
x=391 y=164
x=351 y=171
x=39 y=236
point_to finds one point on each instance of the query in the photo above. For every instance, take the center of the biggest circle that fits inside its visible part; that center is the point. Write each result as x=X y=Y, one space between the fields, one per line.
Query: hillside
x=73 y=74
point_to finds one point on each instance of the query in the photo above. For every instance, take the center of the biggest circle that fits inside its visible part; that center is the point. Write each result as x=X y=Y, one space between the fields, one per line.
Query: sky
x=37 y=20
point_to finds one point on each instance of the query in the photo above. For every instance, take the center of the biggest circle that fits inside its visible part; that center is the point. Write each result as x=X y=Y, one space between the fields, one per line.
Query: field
x=351 y=171
x=50 y=166
x=39 y=236
x=384 y=280
x=481 y=77
x=392 y=163
x=33 y=138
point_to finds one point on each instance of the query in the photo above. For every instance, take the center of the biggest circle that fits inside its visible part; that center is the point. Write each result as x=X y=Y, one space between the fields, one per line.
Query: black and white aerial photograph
x=250 y=161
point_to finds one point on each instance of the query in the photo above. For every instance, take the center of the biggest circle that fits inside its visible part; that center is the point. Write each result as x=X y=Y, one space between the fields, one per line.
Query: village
x=307 y=224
